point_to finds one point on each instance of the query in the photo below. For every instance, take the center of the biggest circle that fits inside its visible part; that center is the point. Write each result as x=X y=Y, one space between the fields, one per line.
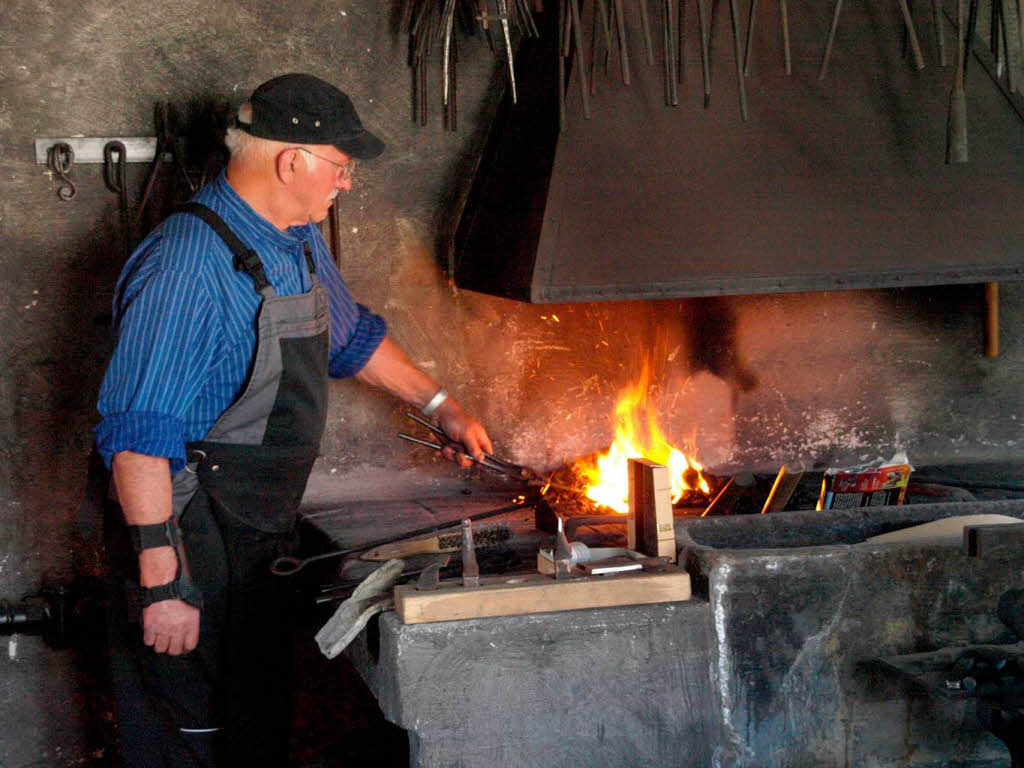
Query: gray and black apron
x=228 y=702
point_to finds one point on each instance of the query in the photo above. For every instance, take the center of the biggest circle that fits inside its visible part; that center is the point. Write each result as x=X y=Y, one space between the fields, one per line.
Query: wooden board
x=535 y=593
x=650 y=527
x=949 y=529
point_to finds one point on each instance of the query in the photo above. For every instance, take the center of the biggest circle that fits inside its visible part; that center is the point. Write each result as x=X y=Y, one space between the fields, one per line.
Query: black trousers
x=228 y=702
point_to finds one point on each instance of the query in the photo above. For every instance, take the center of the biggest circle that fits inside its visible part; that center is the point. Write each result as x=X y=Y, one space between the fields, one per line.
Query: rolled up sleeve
x=154 y=434
x=369 y=332
x=167 y=338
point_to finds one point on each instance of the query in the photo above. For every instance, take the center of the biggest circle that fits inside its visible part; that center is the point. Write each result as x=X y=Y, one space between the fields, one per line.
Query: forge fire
x=638 y=435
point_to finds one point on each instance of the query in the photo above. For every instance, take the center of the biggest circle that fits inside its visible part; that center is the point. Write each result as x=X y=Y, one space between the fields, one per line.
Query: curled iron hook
x=60 y=158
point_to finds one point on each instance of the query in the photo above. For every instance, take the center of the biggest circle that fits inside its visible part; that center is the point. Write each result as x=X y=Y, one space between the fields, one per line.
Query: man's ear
x=286 y=164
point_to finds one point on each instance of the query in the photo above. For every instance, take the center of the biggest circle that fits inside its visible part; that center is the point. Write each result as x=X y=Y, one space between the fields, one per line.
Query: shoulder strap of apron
x=246 y=260
x=310 y=261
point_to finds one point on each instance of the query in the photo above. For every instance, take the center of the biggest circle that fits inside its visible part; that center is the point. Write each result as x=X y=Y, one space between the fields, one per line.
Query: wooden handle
x=405 y=549
x=991 y=319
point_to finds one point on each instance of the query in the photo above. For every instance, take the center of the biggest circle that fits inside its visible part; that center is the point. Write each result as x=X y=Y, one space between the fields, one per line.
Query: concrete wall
x=748 y=381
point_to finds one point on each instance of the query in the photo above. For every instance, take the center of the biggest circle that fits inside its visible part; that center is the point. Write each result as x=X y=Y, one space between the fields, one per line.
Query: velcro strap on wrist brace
x=154 y=535
x=175 y=590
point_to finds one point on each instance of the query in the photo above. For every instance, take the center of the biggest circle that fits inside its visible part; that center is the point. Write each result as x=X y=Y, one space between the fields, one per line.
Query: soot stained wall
x=743 y=381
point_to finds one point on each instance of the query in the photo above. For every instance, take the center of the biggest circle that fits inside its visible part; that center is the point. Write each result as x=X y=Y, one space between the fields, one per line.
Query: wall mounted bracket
x=138 y=149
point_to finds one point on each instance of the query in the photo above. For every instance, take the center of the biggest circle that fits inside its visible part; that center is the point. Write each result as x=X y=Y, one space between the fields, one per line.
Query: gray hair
x=245 y=146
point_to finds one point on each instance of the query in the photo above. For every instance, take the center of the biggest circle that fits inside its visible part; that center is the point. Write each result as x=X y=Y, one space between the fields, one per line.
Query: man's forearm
x=144 y=492
x=390 y=369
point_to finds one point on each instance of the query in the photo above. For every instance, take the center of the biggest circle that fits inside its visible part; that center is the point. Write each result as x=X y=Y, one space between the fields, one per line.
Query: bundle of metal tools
x=999 y=64
x=431 y=23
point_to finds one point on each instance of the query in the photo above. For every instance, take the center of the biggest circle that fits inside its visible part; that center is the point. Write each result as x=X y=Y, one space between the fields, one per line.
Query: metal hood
x=834 y=184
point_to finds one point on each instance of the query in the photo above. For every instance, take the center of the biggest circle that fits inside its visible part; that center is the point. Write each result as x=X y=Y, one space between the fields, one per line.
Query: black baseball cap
x=304 y=109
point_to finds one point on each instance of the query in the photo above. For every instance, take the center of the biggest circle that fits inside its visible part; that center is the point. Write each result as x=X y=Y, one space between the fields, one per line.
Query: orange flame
x=637 y=435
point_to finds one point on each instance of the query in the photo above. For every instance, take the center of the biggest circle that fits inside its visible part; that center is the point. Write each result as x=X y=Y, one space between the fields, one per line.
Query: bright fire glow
x=637 y=435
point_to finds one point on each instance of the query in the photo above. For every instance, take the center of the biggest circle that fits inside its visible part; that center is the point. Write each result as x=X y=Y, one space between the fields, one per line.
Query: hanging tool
x=620 y=25
x=750 y=37
x=645 y=28
x=114 y=176
x=334 y=232
x=600 y=15
x=447 y=89
x=668 y=29
x=581 y=54
x=681 y=42
x=1011 y=78
x=705 y=64
x=741 y=83
x=167 y=144
x=908 y=22
x=602 y=10
x=60 y=158
x=503 y=16
x=940 y=37
x=956 y=120
x=288 y=565
x=784 y=19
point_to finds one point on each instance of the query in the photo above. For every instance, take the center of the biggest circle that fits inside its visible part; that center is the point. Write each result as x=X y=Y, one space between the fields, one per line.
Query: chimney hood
x=828 y=185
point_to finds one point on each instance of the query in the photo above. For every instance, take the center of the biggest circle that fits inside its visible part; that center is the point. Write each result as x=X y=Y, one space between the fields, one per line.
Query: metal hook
x=114 y=176
x=59 y=159
x=193 y=458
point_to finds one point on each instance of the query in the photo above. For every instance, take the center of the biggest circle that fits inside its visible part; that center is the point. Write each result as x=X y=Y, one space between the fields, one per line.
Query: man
x=229 y=318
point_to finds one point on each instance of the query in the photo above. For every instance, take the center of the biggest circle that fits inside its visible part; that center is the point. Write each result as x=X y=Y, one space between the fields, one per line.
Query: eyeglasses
x=345 y=170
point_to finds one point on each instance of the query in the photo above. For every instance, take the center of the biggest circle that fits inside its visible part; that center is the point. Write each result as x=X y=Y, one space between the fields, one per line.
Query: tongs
x=490 y=462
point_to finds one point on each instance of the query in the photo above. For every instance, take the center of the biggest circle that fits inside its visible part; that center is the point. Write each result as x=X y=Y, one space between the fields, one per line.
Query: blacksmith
x=230 y=317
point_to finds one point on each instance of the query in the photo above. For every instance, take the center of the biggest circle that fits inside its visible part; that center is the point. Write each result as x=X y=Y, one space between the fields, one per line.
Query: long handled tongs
x=490 y=462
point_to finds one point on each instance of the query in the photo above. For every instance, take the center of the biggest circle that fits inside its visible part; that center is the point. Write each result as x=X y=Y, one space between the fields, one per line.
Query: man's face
x=329 y=172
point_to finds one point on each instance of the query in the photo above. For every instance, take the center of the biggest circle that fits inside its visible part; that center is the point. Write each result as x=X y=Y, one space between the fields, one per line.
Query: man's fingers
x=485 y=440
x=477 y=442
x=192 y=639
x=171 y=626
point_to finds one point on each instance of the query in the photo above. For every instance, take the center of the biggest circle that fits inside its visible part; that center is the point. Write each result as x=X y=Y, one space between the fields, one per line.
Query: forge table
x=1000 y=703
x=764 y=666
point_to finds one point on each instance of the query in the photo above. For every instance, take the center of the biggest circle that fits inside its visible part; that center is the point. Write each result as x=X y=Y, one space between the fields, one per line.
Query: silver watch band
x=435 y=402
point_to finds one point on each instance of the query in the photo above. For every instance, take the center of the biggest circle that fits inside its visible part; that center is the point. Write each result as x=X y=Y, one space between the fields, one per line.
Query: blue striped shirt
x=184 y=320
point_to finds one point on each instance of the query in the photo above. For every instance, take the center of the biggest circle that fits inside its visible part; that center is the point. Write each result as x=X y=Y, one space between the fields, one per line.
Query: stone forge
x=771 y=663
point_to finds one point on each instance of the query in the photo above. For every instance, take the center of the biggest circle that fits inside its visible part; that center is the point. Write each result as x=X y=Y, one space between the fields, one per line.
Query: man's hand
x=463 y=428
x=170 y=626
x=390 y=369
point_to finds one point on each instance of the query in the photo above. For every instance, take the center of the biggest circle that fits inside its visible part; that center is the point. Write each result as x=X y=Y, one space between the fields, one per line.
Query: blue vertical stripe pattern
x=185 y=325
